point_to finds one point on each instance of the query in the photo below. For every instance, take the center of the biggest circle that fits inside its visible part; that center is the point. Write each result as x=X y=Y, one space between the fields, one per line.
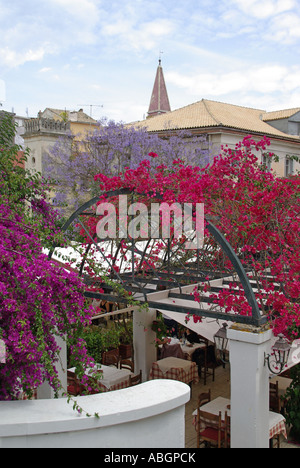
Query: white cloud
x=264 y=8
x=45 y=70
x=269 y=20
x=266 y=79
x=85 y=10
x=28 y=33
x=146 y=35
x=15 y=58
x=284 y=28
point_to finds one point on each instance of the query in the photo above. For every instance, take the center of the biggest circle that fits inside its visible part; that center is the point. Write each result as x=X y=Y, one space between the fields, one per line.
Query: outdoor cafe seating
x=220 y=405
x=112 y=379
x=212 y=429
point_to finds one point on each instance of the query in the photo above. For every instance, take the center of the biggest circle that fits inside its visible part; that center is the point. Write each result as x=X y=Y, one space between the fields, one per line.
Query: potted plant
x=101 y=340
x=126 y=340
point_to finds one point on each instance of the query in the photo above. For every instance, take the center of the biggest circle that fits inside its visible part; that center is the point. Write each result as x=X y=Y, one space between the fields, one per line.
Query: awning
x=207 y=328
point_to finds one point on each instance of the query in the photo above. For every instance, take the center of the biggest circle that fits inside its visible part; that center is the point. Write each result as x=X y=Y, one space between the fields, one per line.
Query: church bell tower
x=159 y=103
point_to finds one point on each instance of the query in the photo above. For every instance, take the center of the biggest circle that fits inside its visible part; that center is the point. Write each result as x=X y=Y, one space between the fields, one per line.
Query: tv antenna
x=90 y=106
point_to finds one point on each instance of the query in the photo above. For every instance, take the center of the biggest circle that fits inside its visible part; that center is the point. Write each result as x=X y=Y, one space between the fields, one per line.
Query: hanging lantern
x=281 y=351
x=221 y=342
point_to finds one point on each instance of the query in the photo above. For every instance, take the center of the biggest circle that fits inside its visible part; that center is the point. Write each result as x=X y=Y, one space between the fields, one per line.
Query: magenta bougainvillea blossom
x=38 y=301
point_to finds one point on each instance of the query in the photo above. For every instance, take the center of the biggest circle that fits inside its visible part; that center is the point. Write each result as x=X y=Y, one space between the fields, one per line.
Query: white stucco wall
x=282 y=148
x=149 y=415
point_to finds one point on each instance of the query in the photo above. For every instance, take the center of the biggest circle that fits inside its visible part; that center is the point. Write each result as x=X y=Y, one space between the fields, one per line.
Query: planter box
x=125 y=350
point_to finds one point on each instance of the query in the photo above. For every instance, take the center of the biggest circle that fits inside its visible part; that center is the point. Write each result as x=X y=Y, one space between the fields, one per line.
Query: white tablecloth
x=172 y=362
x=111 y=375
x=186 y=346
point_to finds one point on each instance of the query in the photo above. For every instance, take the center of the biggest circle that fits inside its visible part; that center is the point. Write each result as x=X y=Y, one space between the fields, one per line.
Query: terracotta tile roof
x=207 y=114
x=72 y=116
x=281 y=114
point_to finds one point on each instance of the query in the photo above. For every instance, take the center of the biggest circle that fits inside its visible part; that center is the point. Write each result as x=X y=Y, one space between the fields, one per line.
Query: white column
x=144 y=341
x=249 y=386
x=45 y=391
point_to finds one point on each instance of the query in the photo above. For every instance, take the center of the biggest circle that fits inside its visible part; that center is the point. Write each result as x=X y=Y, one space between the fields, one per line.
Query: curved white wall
x=149 y=415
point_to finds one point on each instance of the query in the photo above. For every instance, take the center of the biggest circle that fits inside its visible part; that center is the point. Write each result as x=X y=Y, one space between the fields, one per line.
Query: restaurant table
x=174 y=369
x=283 y=384
x=276 y=420
x=188 y=348
x=112 y=378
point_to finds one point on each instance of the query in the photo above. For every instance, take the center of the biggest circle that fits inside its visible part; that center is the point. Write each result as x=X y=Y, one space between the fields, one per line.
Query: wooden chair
x=274 y=398
x=209 y=362
x=127 y=364
x=135 y=379
x=173 y=350
x=210 y=429
x=110 y=359
x=74 y=388
x=204 y=398
x=227 y=430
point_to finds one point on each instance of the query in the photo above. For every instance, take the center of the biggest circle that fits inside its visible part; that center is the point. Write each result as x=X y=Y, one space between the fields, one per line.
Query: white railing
x=149 y=415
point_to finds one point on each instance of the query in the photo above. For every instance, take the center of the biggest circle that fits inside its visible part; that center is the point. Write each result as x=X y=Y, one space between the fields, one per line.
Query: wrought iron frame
x=132 y=283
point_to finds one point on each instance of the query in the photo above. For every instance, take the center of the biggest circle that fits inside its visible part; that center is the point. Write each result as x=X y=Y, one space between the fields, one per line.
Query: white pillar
x=249 y=386
x=45 y=391
x=144 y=341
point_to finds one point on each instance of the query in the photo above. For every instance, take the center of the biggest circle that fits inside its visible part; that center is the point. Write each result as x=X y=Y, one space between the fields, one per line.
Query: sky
x=102 y=55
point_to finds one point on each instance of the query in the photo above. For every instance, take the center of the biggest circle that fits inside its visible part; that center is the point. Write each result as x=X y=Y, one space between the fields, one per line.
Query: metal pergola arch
x=133 y=283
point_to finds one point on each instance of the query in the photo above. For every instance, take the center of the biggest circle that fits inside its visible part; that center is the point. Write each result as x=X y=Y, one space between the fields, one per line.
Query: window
x=288 y=166
x=266 y=161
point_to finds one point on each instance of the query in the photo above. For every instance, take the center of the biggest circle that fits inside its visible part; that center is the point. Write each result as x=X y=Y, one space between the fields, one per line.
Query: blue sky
x=82 y=53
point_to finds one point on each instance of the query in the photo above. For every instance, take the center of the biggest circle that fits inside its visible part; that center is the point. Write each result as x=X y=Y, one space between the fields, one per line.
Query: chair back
x=73 y=386
x=110 y=359
x=211 y=355
x=204 y=398
x=127 y=364
x=135 y=379
x=274 y=398
x=173 y=350
x=210 y=428
x=227 y=430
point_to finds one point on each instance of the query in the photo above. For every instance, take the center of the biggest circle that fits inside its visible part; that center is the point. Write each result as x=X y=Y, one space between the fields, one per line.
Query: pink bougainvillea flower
x=153 y=155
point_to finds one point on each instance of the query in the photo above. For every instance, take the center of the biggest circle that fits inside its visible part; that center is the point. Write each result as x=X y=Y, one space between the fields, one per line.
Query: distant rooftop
x=207 y=114
x=281 y=114
x=64 y=114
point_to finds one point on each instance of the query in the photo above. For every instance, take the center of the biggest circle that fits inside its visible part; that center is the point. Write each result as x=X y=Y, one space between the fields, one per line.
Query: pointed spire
x=159 y=102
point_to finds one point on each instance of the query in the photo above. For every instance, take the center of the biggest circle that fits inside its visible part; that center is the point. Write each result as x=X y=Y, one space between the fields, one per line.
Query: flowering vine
x=39 y=300
x=257 y=212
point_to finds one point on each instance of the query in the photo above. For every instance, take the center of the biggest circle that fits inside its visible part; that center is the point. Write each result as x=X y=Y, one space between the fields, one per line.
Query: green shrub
x=98 y=340
x=292 y=407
